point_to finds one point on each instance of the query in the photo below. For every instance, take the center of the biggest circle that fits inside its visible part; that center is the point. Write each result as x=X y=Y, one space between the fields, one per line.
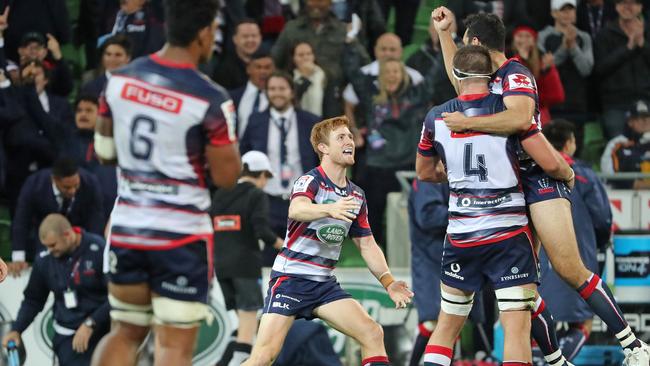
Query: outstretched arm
x=376 y=262
x=303 y=209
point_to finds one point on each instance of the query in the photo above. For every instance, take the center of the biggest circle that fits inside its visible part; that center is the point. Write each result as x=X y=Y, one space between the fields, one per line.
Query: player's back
x=164 y=114
x=486 y=202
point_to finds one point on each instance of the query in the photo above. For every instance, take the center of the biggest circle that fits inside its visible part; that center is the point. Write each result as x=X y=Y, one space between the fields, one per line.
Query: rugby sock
x=424 y=333
x=375 y=361
x=572 y=342
x=602 y=302
x=543 y=329
x=515 y=363
x=437 y=356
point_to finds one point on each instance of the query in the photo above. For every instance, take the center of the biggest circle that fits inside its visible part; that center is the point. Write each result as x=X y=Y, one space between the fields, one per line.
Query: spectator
x=35 y=47
x=309 y=78
x=592 y=220
x=630 y=151
x=86 y=115
x=388 y=47
x=549 y=85
x=64 y=189
x=405 y=12
x=71 y=269
x=573 y=57
x=270 y=14
x=281 y=132
x=318 y=26
x=622 y=54
x=231 y=71
x=251 y=98
x=241 y=220
x=116 y=52
x=429 y=56
x=40 y=16
x=140 y=25
x=593 y=15
x=394 y=109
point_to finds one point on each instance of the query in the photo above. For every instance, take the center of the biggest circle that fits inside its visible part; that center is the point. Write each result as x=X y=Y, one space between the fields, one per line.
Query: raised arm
x=443 y=20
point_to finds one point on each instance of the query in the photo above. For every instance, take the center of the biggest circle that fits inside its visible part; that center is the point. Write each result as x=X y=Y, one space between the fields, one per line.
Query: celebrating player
x=549 y=211
x=168 y=120
x=325 y=208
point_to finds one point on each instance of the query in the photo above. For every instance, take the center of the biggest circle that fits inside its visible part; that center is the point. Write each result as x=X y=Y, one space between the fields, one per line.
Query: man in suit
x=281 y=132
x=63 y=189
x=116 y=52
x=250 y=98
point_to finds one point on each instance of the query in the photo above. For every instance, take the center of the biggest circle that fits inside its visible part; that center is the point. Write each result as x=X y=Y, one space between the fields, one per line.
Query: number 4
x=480 y=170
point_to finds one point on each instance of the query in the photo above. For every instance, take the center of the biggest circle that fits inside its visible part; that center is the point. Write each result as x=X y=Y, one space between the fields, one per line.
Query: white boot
x=639 y=356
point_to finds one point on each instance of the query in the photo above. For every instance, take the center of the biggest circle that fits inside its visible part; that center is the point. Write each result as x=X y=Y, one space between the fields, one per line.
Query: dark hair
x=64 y=167
x=86 y=98
x=246 y=21
x=558 y=132
x=292 y=64
x=246 y=172
x=261 y=52
x=186 y=18
x=488 y=29
x=118 y=40
x=282 y=75
x=473 y=59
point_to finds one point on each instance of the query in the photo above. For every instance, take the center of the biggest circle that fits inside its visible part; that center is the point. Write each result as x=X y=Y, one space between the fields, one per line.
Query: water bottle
x=13 y=357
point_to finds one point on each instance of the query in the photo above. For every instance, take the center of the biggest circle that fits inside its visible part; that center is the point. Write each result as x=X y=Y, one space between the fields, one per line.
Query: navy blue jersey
x=164 y=115
x=486 y=202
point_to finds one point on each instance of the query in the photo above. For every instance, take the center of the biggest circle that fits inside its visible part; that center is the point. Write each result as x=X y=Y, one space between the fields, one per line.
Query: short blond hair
x=320 y=133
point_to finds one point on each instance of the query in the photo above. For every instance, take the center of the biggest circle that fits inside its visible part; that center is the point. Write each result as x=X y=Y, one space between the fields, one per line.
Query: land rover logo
x=332 y=234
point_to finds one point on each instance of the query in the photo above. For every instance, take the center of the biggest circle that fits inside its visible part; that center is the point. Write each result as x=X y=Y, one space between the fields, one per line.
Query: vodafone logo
x=138 y=94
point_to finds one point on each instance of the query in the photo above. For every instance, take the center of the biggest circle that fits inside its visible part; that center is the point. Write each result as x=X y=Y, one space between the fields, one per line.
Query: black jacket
x=623 y=73
x=423 y=60
x=240 y=219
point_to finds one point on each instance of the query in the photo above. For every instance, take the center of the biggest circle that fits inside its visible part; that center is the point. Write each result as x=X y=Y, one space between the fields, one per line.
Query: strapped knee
x=460 y=305
x=180 y=314
x=515 y=298
x=130 y=313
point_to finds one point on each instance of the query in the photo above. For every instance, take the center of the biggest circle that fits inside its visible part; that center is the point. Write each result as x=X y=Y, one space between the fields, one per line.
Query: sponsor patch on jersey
x=332 y=234
x=302 y=183
x=229 y=113
x=520 y=81
x=155 y=99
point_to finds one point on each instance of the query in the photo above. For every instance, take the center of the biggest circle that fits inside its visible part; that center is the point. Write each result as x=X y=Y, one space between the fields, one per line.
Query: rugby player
x=547 y=198
x=325 y=208
x=163 y=121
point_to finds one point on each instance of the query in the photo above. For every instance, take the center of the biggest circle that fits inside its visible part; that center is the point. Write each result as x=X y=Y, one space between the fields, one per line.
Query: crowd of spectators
x=288 y=63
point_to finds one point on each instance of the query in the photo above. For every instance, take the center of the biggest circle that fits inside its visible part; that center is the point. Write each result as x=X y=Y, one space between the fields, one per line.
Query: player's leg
x=575 y=338
x=554 y=225
x=350 y=318
x=455 y=307
x=270 y=338
x=131 y=315
x=515 y=304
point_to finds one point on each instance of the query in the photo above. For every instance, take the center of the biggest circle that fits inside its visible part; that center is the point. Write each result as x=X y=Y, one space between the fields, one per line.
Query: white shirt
x=245 y=108
x=274 y=186
x=44 y=101
x=350 y=96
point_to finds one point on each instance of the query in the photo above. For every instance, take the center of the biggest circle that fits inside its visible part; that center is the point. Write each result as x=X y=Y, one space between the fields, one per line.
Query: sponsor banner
x=625 y=208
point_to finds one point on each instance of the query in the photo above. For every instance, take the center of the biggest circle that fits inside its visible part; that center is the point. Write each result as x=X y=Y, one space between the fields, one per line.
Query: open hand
x=344 y=209
x=15 y=268
x=54 y=47
x=400 y=294
x=81 y=338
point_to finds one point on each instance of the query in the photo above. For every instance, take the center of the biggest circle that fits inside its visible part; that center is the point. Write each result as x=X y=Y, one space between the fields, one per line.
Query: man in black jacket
x=622 y=55
x=240 y=219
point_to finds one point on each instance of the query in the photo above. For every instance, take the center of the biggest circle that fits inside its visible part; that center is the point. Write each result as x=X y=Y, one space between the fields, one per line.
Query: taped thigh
x=456 y=304
x=516 y=298
x=130 y=313
x=180 y=314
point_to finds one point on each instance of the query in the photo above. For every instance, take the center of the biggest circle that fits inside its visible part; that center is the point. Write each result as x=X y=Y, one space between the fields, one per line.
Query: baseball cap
x=30 y=37
x=640 y=108
x=257 y=162
x=558 y=4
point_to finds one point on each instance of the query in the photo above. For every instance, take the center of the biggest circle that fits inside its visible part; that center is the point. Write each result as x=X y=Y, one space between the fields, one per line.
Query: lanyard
x=74 y=275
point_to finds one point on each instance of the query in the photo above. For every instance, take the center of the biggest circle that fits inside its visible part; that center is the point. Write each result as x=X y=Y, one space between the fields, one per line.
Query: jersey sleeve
x=425 y=146
x=305 y=186
x=534 y=129
x=361 y=226
x=219 y=122
x=519 y=81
